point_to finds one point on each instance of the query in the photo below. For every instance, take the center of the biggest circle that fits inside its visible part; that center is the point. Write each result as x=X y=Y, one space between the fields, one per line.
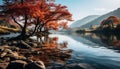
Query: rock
x=6 y=59
x=14 y=54
x=3 y=65
x=35 y=44
x=1 y=49
x=35 y=65
x=38 y=52
x=53 y=65
x=15 y=48
x=32 y=44
x=9 y=43
x=14 y=42
x=23 y=45
x=3 y=54
x=18 y=64
x=12 y=58
x=85 y=66
x=2 y=41
x=31 y=40
x=73 y=66
x=28 y=60
x=68 y=66
x=8 y=51
x=1 y=60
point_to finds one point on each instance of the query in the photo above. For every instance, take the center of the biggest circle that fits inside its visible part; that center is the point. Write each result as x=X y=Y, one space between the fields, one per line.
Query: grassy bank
x=6 y=30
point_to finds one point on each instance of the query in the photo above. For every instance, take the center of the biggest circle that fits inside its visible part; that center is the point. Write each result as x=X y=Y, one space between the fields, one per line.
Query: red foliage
x=113 y=19
x=48 y=15
x=30 y=8
x=57 y=17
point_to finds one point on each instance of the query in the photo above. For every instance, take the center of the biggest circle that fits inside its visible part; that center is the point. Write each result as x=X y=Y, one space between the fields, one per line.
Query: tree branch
x=17 y=22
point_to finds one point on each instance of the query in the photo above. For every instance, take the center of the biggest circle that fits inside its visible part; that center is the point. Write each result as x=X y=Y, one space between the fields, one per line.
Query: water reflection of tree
x=112 y=40
x=50 y=51
x=46 y=49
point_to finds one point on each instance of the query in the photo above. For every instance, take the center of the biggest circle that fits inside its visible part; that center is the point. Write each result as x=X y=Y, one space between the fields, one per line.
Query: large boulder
x=35 y=65
x=3 y=65
x=17 y=64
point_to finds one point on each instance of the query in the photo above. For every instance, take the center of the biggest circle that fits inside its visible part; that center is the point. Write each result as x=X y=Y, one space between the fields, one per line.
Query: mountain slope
x=84 y=21
x=101 y=18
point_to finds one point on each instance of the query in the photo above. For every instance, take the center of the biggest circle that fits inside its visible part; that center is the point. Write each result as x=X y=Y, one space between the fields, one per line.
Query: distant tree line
x=110 y=24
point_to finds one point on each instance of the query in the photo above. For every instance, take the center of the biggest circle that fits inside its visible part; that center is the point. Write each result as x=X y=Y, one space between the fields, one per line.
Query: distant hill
x=98 y=20
x=83 y=21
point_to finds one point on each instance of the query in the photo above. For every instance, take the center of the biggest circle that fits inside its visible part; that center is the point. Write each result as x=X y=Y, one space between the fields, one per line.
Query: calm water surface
x=90 y=52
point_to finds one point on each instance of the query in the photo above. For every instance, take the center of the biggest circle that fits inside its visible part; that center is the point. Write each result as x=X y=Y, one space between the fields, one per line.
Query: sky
x=83 y=8
x=0 y=1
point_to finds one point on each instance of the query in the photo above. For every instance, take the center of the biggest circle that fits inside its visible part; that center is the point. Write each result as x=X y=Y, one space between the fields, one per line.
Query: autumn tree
x=24 y=11
x=58 y=17
x=112 y=22
x=43 y=15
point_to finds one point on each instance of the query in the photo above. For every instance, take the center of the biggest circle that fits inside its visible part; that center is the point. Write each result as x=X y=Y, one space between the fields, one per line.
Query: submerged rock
x=85 y=66
x=73 y=66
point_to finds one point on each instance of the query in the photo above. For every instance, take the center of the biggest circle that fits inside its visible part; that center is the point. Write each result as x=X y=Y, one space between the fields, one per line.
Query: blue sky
x=83 y=8
x=0 y=1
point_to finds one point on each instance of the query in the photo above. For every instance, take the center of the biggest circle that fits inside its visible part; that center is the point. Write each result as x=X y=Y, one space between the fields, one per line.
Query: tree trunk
x=35 y=29
x=23 y=33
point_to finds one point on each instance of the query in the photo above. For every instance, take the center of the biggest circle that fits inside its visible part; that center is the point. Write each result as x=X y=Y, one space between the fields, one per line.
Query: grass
x=6 y=30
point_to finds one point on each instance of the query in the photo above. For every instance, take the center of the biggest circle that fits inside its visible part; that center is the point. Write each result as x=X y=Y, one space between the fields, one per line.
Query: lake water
x=91 y=52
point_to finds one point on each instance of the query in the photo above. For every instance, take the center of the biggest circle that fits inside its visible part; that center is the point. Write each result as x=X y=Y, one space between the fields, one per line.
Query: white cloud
x=100 y=9
x=112 y=3
x=117 y=1
x=105 y=6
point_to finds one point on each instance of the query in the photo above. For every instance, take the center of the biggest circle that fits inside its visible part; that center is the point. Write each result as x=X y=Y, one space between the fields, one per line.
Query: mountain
x=83 y=21
x=98 y=20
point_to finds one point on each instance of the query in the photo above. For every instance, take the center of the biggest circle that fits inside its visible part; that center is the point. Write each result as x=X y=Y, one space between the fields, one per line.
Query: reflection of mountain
x=83 y=21
x=89 y=39
x=111 y=41
x=99 y=19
